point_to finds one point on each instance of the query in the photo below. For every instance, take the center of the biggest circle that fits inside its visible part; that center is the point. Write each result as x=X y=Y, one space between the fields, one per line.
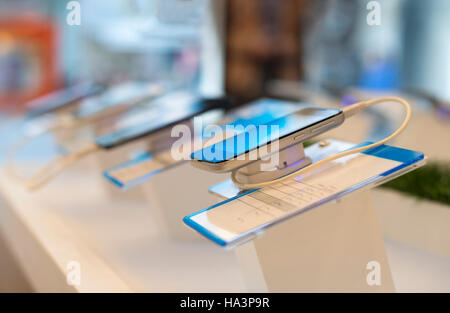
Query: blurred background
x=327 y=52
x=326 y=44
x=142 y=40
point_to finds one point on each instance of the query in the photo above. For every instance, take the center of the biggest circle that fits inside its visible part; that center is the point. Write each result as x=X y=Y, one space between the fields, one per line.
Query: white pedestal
x=177 y=192
x=106 y=159
x=324 y=250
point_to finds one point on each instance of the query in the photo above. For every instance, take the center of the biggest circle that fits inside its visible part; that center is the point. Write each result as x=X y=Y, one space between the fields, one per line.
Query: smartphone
x=118 y=98
x=62 y=99
x=288 y=130
x=163 y=117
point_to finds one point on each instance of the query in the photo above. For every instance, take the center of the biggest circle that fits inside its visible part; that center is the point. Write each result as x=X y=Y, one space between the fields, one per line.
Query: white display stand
x=334 y=247
x=177 y=192
x=324 y=250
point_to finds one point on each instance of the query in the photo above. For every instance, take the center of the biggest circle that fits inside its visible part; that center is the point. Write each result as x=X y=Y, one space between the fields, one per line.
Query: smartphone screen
x=161 y=117
x=264 y=133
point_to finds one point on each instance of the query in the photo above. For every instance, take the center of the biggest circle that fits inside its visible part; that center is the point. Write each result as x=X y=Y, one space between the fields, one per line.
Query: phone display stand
x=330 y=249
x=336 y=248
x=176 y=192
x=290 y=159
x=158 y=142
x=108 y=158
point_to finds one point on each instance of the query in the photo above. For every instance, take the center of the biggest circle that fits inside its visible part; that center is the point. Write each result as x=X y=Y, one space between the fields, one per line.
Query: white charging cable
x=55 y=167
x=348 y=112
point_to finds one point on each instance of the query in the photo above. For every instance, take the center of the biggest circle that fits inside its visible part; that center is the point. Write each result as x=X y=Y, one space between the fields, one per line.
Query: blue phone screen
x=252 y=136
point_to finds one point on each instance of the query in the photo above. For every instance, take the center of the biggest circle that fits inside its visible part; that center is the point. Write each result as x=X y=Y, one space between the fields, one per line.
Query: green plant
x=430 y=182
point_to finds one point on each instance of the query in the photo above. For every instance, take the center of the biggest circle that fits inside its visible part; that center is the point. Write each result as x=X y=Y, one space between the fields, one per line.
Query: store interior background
x=320 y=51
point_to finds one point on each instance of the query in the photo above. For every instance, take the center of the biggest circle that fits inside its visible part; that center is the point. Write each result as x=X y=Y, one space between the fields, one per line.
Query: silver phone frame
x=292 y=139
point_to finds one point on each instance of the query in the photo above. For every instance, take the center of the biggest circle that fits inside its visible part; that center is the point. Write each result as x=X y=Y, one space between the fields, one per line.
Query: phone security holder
x=321 y=251
x=290 y=159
